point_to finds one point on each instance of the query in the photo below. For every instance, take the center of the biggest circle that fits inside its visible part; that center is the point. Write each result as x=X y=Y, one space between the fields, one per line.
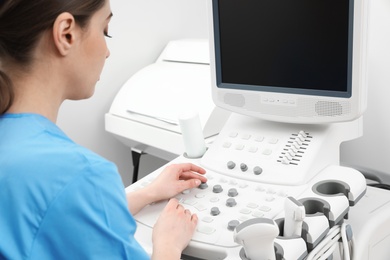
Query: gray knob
x=203 y=186
x=231 y=202
x=217 y=188
x=243 y=167
x=232 y=192
x=257 y=170
x=231 y=165
x=233 y=224
x=215 y=211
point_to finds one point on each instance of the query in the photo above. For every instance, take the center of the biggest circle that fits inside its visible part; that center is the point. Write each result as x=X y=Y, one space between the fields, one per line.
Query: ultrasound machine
x=293 y=75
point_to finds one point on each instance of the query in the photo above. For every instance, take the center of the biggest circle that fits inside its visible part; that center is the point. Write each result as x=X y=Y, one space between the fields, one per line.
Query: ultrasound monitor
x=294 y=61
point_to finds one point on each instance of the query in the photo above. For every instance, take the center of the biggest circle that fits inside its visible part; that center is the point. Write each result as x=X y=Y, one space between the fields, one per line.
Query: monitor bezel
x=356 y=98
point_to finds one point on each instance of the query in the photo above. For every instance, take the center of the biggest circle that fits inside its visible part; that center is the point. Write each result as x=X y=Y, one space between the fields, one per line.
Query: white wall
x=140 y=30
x=372 y=151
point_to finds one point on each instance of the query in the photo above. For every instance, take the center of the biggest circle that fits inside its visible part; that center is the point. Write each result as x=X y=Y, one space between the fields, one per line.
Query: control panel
x=264 y=174
x=223 y=203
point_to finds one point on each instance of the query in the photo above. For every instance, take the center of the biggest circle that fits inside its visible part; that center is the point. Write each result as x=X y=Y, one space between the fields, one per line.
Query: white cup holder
x=331 y=188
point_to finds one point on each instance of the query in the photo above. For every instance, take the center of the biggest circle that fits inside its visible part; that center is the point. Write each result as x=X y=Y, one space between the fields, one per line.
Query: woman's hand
x=173 y=231
x=174 y=179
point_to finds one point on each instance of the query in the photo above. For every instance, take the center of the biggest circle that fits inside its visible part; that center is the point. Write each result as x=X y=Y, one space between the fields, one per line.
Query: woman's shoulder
x=36 y=148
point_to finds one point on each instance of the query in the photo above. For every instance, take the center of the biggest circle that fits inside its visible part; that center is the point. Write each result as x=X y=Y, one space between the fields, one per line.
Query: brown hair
x=22 y=22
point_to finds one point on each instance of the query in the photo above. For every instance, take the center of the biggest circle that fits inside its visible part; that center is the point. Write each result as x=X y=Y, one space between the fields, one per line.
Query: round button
x=233 y=182
x=217 y=188
x=243 y=185
x=223 y=180
x=231 y=202
x=243 y=167
x=215 y=211
x=260 y=188
x=269 y=198
x=203 y=186
x=233 y=224
x=271 y=191
x=232 y=192
x=200 y=196
x=214 y=199
x=257 y=170
x=231 y=165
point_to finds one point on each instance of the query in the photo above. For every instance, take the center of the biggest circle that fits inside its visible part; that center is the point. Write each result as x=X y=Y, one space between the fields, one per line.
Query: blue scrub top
x=59 y=200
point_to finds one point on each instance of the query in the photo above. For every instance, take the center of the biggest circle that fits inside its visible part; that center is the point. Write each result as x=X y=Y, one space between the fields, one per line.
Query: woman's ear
x=64 y=33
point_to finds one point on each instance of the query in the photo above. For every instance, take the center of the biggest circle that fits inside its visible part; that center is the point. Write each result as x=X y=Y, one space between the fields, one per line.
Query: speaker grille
x=326 y=108
x=236 y=100
x=302 y=107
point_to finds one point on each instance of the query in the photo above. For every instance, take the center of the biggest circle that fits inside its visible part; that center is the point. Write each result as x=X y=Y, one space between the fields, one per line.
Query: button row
x=256 y=139
x=253 y=209
x=232 y=192
x=257 y=170
x=279 y=101
x=251 y=149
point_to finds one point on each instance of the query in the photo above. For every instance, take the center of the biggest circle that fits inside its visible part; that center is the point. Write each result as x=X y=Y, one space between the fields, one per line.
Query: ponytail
x=6 y=93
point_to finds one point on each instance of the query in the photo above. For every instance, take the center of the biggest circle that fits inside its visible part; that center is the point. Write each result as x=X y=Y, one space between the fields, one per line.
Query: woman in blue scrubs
x=58 y=200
